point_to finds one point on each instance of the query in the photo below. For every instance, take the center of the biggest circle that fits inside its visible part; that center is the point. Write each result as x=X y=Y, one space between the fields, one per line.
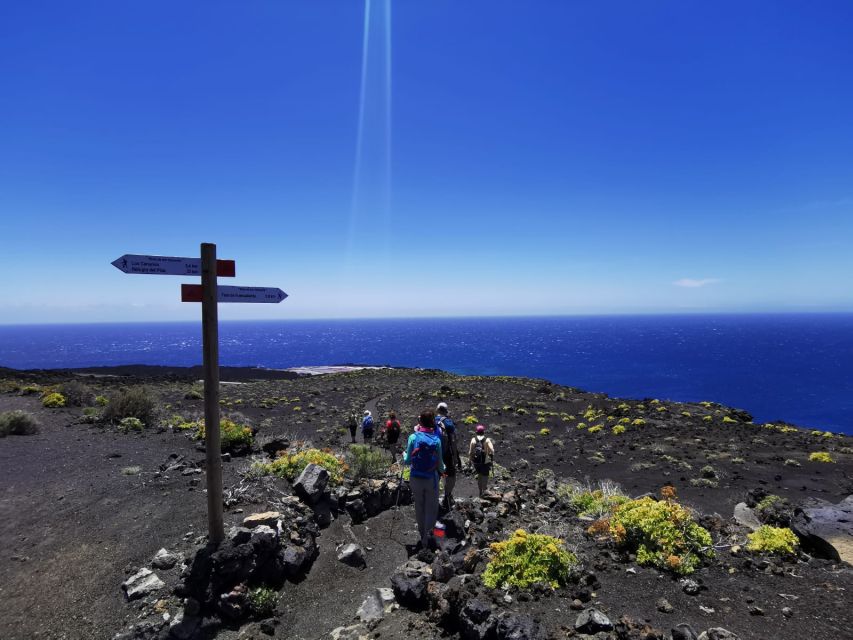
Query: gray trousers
x=425 y=496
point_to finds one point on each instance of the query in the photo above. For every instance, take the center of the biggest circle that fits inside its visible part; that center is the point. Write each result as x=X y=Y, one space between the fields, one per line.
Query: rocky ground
x=103 y=531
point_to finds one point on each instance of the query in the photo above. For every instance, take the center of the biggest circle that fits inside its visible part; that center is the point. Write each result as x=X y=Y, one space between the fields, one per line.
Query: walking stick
x=397 y=501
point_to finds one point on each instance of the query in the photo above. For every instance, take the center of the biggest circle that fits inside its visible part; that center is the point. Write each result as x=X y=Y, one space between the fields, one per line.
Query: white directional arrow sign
x=193 y=293
x=170 y=266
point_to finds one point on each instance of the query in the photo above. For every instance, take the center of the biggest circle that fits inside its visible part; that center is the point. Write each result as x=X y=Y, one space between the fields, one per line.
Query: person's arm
x=407 y=454
x=490 y=448
x=471 y=449
x=441 y=467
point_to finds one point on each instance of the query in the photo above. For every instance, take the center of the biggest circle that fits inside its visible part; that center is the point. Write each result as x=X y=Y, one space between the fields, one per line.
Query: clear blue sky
x=521 y=158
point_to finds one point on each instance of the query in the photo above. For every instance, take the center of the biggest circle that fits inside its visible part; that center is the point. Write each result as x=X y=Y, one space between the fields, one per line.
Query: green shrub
x=767 y=539
x=131 y=424
x=232 y=435
x=53 y=400
x=31 y=390
x=367 y=462
x=77 y=394
x=263 y=601
x=661 y=533
x=470 y=420
x=596 y=428
x=592 y=502
x=135 y=402
x=526 y=559
x=101 y=401
x=820 y=456
x=17 y=423
x=290 y=465
x=544 y=432
x=618 y=429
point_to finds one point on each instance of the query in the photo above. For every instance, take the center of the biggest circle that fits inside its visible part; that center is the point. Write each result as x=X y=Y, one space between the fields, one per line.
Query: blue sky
x=521 y=158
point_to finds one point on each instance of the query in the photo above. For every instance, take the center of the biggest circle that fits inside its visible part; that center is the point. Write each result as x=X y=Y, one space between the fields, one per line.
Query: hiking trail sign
x=209 y=294
x=169 y=266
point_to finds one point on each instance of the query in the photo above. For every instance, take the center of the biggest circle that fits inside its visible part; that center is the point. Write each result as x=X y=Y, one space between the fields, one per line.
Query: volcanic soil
x=84 y=505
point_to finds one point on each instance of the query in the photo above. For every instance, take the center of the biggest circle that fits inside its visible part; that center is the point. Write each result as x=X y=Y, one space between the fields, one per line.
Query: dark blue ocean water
x=797 y=368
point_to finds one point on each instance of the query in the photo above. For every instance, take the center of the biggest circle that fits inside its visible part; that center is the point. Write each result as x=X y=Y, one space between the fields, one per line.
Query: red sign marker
x=226 y=268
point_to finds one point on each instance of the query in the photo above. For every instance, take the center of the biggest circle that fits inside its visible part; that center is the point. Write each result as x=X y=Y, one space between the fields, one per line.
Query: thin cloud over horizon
x=692 y=283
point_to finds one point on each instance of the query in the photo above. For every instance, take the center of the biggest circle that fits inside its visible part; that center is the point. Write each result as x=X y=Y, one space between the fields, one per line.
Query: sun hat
x=367 y=413
x=440 y=406
x=481 y=428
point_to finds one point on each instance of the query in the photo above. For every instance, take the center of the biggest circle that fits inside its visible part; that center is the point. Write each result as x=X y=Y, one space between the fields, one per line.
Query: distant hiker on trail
x=445 y=429
x=367 y=427
x=352 y=424
x=392 y=435
x=424 y=455
x=481 y=453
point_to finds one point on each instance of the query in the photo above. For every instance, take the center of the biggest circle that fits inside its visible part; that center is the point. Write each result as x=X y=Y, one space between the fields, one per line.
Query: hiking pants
x=482 y=482
x=449 y=483
x=425 y=496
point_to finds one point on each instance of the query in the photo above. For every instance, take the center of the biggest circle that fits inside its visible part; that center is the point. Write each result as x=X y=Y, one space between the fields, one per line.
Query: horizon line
x=626 y=314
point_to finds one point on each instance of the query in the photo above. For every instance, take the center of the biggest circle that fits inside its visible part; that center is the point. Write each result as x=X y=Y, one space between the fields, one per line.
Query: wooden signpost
x=209 y=294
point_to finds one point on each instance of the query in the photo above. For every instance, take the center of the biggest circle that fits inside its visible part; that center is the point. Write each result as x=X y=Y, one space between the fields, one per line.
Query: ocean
x=797 y=368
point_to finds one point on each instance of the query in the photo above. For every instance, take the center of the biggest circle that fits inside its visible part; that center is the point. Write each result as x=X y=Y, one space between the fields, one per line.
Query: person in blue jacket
x=426 y=460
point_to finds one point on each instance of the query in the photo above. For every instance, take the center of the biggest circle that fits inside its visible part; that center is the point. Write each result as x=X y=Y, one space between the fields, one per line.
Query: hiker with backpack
x=445 y=429
x=352 y=425
x=481 y=453
x=425 y=458
x=367 y=427
x=392 y=435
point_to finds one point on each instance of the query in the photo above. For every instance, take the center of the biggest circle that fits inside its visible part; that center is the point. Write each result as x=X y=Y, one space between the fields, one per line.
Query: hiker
x=446 y=429
x=424 y=455
x=367 y=427
x=352 y=424
x=392 y=435
x=481 y=453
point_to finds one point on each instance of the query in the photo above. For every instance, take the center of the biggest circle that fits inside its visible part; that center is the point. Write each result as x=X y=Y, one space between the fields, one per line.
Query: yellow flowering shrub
x=767 y=539
x=526 y=559
x=290 y=465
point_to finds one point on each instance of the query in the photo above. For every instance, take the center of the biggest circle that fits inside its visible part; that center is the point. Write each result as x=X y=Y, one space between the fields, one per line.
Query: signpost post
x=209 y=293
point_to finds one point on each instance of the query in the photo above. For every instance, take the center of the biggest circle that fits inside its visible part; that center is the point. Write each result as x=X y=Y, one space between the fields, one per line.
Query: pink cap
x=480 y=428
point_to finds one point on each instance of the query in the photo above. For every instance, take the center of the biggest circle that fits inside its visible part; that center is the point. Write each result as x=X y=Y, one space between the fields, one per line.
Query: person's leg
x=419 y=497
x=430 y=510
x=482 y=482
x=449 y=483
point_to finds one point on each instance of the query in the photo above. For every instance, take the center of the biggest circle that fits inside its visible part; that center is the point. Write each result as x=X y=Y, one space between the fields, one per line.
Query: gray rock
x=514 y=626
x=353 y=555
x=268 y=518
x=663 y=605
x=718 y=633
x=746 y=517
x=592 y=621
x=353 y=632
x=141 y=584
x=442 y=567
x=476 y=621
x=295 y=560
x=311 y=483
x=164 y=559
x=372 y=609
x=410 y=584
x=684 y=631
x=689 y=586
x=826 y=529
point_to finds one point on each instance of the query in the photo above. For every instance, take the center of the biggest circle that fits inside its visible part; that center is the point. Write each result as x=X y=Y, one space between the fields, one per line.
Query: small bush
x=470 y=420
x=31 y=390
x=290 y=465
x=544 y=432
x=618 y=429
x=526 y=559
x=596 y=428
x=767 y=539
x=661 y=533
x=367 y=462
x=586 y=501
x=101 y=401
x=53 y=400
x=135 y=402
x=17 y=423
x=820 y=456
x=790 y=462
x=77 y=394
x=232 y=435
x=728 y=420
x=263 y=601
x=131 y=424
